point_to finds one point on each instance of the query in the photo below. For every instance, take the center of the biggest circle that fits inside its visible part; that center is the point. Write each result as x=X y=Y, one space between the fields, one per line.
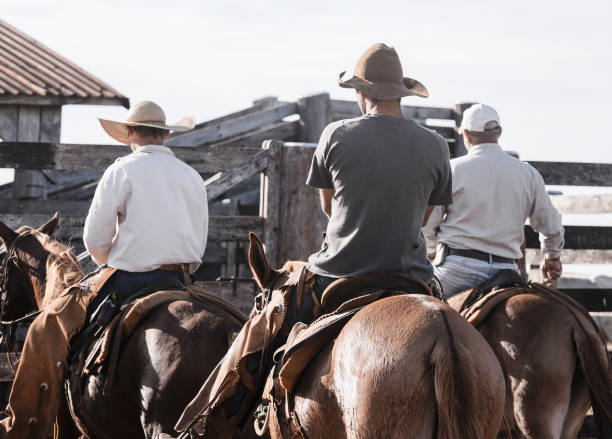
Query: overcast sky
x=545 y=65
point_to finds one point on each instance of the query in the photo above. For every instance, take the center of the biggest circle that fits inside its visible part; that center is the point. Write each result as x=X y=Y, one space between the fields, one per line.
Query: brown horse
x=163 y=363
x=555 y=364
x=403 y=367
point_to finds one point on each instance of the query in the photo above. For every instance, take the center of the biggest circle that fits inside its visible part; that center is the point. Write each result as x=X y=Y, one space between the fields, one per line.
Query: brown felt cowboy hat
x=144 y=114
x=378 y=74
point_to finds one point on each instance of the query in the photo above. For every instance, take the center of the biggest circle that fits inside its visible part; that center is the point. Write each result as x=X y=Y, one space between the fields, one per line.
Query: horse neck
x=62 y=271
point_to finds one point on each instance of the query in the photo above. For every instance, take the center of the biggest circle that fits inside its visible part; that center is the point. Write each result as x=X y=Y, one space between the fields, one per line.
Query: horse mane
x=63 y=268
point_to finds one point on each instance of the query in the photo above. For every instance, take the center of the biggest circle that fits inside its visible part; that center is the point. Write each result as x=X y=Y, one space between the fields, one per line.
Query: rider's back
x=384 y=171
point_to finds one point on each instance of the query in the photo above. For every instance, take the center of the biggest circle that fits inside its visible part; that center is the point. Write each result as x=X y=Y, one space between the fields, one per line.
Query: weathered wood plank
x=578 y=237
x=534 y=257
x=239 y=292
x=302 y=221
x=315 y=114
x=8 y=122
x=601 y=203
x=58 y=101
x=575 y=174
x=351 y=109
x=593 y=299
x=279 y=131
x=63 y=156
x=269 y=204
x=50 y=124
x=220 y=228
x=233 y=127
x=66 y=207
x=223 y=181
x=257 y=105
x=28 y=183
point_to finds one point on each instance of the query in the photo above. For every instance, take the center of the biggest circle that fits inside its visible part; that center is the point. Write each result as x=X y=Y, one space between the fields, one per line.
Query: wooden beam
x=233 y=127
x=254 y=108
x=71 y=157
x=534 y=257
x=575 y=174
x=601 y=203
x=59 y=101
x=578 y=237
x=269 y=205
x=28 y=183
x=287 y=131
x=64 y=207
x=220 y=228
x=593 y=299
x=302 y=222
x=224 y=181
x=315 y=114
x=351 y=109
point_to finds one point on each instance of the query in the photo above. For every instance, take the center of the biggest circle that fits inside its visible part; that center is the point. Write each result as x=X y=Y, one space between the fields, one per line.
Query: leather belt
x=184 y=268
x=175 y=267
x=482 y=256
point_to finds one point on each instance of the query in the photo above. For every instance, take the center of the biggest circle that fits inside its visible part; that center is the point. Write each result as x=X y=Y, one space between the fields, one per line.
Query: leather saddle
x=85 y=347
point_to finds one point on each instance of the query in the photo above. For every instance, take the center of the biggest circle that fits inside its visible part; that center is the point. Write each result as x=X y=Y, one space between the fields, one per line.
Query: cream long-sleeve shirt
x=493 y=195
x=149 y=209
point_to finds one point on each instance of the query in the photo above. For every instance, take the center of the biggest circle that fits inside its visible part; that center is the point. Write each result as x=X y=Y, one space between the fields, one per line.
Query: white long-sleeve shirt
x=493 y=195
x=149 y=209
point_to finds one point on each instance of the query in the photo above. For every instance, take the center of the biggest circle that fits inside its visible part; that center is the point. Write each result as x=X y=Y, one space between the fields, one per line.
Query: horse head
x=23 y=268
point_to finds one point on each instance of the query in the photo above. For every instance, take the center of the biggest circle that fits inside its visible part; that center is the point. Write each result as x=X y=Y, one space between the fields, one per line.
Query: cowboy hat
x=144 y=114
x=378 y=74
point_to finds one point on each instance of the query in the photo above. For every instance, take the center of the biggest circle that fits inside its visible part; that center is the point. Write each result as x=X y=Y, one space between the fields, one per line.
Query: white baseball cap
x=479 y=117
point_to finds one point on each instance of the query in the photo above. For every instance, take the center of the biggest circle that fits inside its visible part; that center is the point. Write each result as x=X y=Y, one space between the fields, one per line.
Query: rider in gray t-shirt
x=377 y=175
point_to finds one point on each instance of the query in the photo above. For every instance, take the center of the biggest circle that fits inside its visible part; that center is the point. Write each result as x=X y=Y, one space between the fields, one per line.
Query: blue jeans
x=459 y=273
x=126 y=283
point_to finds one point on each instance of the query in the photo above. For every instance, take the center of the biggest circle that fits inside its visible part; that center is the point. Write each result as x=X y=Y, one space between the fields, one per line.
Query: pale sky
x=545 y=65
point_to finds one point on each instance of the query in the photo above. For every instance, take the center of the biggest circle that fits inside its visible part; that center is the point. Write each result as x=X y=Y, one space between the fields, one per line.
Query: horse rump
x=458 y=377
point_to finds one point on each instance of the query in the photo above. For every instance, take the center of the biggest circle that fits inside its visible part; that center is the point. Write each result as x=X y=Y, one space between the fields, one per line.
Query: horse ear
x=6 y=234
x=49 y=227
x=257 y=261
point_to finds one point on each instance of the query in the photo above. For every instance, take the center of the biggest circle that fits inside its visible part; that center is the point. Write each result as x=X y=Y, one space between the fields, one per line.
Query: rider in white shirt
x=481 y=232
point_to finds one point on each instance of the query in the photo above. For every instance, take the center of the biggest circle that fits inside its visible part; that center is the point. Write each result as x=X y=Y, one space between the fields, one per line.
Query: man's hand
x=551 y=270
x=431 y=256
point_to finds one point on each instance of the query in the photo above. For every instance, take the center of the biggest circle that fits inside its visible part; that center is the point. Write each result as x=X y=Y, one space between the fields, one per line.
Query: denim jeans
x=126 y=283
x=459 y=273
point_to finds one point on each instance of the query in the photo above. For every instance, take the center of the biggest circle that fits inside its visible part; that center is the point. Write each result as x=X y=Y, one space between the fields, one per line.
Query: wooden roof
x=33 y=74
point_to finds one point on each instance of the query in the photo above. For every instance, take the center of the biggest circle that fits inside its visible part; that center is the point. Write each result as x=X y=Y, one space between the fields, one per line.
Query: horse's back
x=162 y=365
x=387 y=368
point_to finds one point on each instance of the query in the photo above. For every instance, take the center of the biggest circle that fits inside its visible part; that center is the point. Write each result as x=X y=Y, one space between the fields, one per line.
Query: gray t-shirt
x=384 y=171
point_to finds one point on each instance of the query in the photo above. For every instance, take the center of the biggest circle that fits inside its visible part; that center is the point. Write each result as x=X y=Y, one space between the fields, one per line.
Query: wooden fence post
x=35 y=124
x=269 y=205
x=302 y=221
x=315 y=114
x=459 y=148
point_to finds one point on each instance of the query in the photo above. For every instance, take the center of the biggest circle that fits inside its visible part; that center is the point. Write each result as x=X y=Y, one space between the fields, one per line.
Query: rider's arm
x=107 y=206
x=545 y=219
x=326 y=201
x=431 y=225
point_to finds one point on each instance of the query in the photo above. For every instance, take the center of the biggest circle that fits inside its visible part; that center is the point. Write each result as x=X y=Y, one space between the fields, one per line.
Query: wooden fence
x=228 y=149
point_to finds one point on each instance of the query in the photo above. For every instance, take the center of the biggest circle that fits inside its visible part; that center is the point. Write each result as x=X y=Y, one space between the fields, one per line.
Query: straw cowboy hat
x=378 y=74
x=144 y=114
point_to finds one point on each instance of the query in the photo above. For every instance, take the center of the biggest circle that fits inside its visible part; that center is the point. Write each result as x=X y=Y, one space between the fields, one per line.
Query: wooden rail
x=72 y=157
x=70 y=227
